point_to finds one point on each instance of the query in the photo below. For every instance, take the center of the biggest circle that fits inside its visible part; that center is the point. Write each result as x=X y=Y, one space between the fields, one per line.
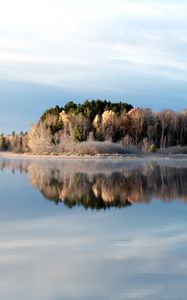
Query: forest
x=98 y=126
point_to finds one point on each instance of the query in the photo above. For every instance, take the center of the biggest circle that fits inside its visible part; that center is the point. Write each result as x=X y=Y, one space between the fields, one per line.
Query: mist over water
x=109 y=245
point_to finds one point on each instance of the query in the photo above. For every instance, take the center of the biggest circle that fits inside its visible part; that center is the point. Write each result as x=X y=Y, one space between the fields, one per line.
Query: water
x=93 y=229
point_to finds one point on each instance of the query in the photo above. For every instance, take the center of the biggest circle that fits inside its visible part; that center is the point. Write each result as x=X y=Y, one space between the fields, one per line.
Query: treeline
x=14 y=142
x=96 y=120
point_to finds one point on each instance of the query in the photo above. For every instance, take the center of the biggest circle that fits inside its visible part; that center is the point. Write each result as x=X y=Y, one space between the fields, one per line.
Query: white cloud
x=63 y=23
x=87 y=44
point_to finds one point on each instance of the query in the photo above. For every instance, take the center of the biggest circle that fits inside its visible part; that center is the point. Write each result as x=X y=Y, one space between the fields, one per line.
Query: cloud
x=100 y=48
x=66 y=34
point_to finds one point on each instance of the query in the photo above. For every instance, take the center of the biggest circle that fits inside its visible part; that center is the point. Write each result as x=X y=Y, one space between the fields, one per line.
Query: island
x=100 y=127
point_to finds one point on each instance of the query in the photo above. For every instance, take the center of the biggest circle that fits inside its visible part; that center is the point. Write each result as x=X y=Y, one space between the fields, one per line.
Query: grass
x=89 y=148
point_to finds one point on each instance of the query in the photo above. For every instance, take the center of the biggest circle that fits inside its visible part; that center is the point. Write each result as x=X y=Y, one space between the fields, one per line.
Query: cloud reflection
x=91 y=266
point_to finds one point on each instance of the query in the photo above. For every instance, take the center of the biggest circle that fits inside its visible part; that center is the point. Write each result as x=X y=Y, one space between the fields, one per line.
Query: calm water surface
x=93 y=229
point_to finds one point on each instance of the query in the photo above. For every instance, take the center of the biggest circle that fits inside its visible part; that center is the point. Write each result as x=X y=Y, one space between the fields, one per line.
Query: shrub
x=152 y=148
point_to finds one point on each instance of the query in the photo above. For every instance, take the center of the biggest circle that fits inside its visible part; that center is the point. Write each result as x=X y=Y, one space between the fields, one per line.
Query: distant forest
x=80 y=128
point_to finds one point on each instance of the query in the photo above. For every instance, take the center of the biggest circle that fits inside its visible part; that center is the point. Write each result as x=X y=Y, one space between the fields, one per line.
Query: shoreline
x=70 y=156
x=92 y=157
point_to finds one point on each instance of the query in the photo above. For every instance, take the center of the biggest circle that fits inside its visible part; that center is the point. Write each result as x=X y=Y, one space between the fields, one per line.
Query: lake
x=93 y=229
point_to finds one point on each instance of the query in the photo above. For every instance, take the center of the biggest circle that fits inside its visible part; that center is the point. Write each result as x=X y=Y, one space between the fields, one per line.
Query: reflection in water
x=48 y=253
x=102 y=184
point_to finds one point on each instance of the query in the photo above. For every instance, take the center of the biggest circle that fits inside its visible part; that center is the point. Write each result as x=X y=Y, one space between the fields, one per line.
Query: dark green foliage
x=70 y=107
x=55 y=127
x=52 y=111
x=79 y=134
x=91 y=108
x=118 y=107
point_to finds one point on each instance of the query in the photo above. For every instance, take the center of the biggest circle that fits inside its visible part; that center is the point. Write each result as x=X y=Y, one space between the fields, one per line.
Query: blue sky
x=52 y=51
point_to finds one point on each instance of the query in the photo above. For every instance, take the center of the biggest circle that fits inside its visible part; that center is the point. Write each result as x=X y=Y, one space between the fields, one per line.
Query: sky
x=53 y=51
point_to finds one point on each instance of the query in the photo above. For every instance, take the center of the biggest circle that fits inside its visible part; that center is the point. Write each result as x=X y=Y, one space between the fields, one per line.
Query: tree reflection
x=101 y=190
